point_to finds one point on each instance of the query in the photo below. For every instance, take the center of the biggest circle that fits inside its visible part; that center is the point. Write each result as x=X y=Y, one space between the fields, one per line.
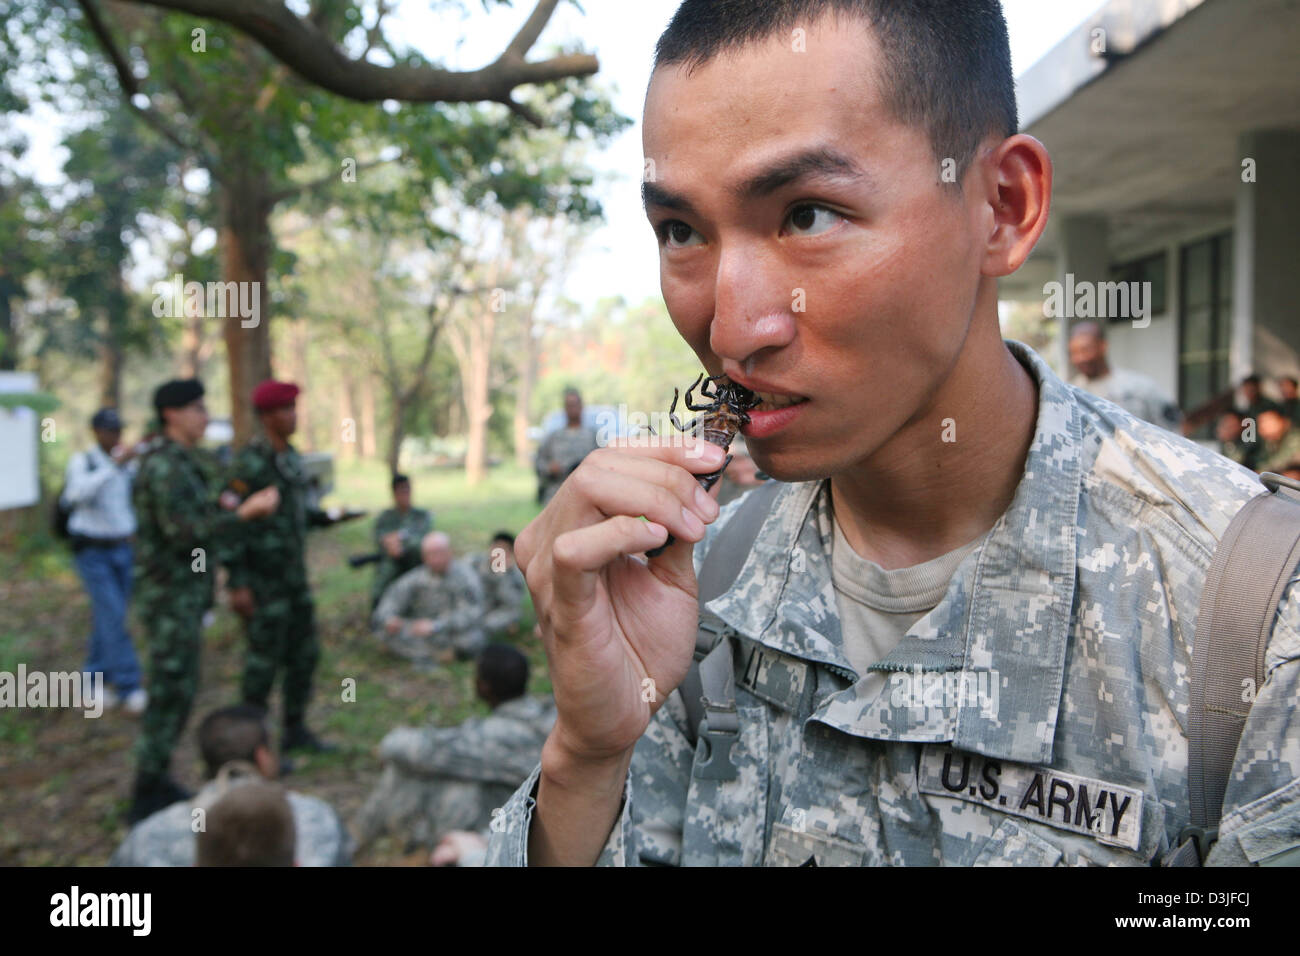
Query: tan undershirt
x=877 y=607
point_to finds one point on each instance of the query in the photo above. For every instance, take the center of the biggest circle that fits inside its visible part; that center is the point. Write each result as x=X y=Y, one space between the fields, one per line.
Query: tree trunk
x=524 y=395
x=9 y=290
x=397 y=429
x=369 y=447
x=245 y=248
x=478 y=407
x=300 y=339
x=347 y=423
x=110 y=370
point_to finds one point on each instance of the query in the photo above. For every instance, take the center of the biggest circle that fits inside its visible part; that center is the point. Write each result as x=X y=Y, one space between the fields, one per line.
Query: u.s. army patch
x=1107 y=812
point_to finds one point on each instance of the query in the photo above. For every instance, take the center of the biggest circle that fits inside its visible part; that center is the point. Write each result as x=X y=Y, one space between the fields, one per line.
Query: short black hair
x=505 y=671
x=505 y=536
x=948 y=61
x=1252 y=379
x=399 y=479
x=232 y=733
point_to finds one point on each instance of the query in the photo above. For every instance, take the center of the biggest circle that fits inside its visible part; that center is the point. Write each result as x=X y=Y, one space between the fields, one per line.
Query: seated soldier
x=236 y=748
x=503 y=585
x=434 y=612
x=438 y=779
x=398 y=533
x=252 y=825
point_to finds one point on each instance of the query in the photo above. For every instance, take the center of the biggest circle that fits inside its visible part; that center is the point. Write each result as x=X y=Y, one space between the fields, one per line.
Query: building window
x=1204 y=320
x=1153 y=269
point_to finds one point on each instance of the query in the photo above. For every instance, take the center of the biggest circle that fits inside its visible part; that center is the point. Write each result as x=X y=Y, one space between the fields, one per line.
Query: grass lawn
x=67 y=779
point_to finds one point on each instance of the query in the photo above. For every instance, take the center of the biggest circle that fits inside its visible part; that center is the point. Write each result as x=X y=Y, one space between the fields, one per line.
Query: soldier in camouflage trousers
x=267 y=564
x=504 y=589
x=181 y=517
x=439 y=779
x=434 y=612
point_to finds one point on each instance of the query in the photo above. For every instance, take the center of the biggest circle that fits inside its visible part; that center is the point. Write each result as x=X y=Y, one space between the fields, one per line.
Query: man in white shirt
x=98 y=491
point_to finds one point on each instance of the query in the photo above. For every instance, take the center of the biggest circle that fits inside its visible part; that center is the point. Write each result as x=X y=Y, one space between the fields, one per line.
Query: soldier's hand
x=259 y=504
x=393 y=544
x=393 y=625
x=421 y=627
x=242 y=602
x=619 y=630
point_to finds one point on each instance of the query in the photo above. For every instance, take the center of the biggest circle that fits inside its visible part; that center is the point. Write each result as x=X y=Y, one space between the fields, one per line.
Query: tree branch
x=310 y=53
x=130 y=85
x=289 y=192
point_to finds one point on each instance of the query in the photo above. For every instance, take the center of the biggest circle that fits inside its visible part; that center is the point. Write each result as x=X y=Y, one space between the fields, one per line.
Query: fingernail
x=712 y=454
x=693 y=524
x=705 y=506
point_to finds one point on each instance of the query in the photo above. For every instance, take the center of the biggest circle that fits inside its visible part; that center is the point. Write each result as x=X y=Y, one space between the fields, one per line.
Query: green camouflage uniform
x=413 y=526
x=453 y=601
x=269 y=556
x=175 y=497
x=565 y=447
x=503 y=593
x=168 y=837
x=437 y=779
x=1076 y=615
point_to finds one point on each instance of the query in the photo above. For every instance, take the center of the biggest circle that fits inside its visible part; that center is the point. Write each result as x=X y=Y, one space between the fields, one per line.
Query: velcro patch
x=1107 y=812
x=772 y=676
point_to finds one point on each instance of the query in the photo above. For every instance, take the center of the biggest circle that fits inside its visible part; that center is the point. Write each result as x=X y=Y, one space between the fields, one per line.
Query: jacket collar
x=1002 y=626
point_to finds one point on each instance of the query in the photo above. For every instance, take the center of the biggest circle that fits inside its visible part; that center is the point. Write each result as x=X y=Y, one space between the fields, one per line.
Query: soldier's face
x=282 y=421
x=1273 y=426
x=807 y=245
x=190 y=420
x=437 y=557
x=1088 y=355
x=402 y=497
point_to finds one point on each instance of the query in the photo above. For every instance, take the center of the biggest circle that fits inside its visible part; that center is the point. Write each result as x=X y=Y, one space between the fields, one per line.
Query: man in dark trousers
x=268 y=570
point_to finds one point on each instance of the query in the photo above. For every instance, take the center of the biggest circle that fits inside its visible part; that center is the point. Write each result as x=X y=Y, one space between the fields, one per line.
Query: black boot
x=153 y=793
x=298 y=737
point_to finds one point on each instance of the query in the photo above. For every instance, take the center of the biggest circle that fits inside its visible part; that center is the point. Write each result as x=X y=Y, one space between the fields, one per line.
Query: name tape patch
x=1107 y=812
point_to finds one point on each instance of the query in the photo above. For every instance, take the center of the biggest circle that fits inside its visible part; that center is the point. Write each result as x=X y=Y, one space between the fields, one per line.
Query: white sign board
x=19 y=477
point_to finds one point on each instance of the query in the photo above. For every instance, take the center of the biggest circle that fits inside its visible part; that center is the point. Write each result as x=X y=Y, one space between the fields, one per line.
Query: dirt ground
x=65 y=780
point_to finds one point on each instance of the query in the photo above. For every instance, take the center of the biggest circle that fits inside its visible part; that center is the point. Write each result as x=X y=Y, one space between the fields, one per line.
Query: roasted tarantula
x=727 y=411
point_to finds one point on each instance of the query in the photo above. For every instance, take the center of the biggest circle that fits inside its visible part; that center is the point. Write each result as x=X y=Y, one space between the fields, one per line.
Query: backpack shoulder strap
x=725 y=559
x=1251 y=568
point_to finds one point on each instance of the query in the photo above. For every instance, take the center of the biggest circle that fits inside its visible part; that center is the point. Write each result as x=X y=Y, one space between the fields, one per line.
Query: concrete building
x=1174 y=128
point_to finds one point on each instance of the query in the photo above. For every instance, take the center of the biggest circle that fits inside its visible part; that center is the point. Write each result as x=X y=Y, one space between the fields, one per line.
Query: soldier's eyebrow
x=822 y=163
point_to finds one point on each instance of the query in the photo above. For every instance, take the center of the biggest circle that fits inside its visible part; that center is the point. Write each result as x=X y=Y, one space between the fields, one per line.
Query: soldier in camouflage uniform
x=964 y=632
x=1134 y=392
x=236 y=749
x=267 y=564
x=1280 y=441
x=435 y=612
x=562 y=450
x=180 y=519
x=398 y=533
x=503 y=585
x=439 y=779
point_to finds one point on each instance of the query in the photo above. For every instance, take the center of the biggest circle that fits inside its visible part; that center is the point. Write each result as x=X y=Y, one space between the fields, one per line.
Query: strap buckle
x=1202 y=839
x=719 y=731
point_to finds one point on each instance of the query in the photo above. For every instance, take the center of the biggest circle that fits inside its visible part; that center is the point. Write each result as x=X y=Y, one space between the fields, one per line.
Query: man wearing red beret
x=267 y=564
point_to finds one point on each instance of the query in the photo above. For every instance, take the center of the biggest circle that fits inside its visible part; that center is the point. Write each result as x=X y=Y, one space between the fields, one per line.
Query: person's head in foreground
x=251 y=825
x=1273 y=424
x=237 y=732
x=837 y=188
x=500 y=674
x=435 y=551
